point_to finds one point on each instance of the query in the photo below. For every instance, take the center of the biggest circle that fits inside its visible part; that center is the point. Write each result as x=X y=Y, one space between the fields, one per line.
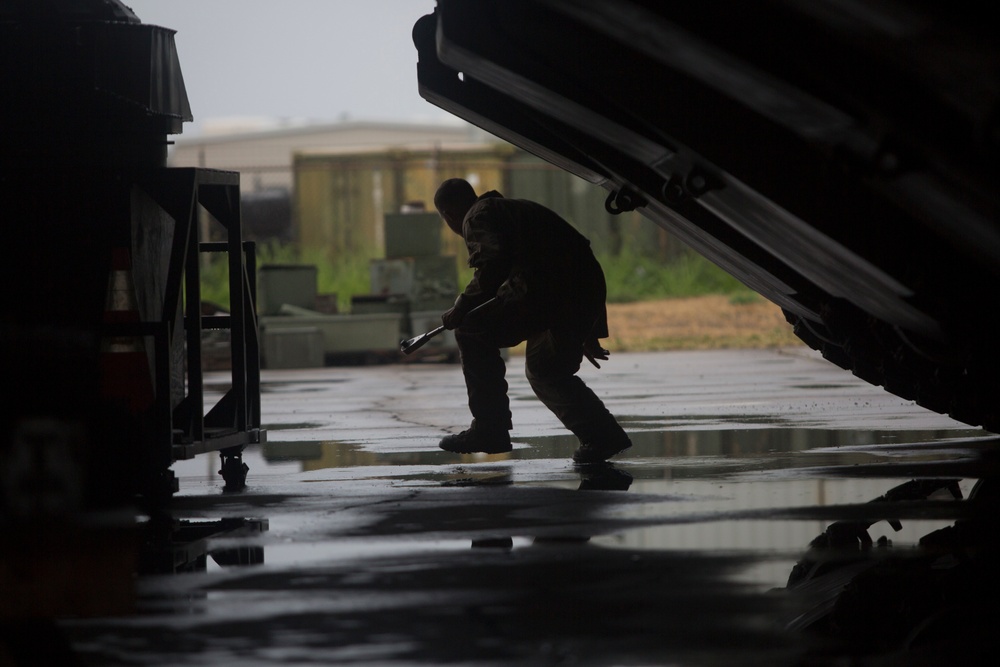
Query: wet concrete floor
x=364 y=544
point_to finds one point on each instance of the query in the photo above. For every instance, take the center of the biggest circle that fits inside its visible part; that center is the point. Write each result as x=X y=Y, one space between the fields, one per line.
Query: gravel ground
x=697 y=323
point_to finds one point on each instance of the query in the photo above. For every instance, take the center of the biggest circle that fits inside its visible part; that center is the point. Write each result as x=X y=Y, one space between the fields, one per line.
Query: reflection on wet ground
x=698 y=547
x=720 y=476
x=734 y=538
x=683 y=449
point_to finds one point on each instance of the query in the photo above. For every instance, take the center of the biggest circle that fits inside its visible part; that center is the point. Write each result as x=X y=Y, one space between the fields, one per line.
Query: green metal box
x=378 y=332
x=292 y=347
x=366 y=304
x=422 y=280
x=412 y=234
x=278 y=284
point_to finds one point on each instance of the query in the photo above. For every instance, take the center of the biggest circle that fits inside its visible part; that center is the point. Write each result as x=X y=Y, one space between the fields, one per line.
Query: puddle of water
x=686 y=453
x=658 y=459
x=693 y=485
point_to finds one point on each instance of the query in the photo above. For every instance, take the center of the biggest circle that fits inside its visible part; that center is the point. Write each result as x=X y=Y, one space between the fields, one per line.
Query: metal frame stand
x=177 y=425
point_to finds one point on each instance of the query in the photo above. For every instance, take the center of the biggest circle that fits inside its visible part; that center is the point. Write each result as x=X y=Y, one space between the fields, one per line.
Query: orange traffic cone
x=124 y=364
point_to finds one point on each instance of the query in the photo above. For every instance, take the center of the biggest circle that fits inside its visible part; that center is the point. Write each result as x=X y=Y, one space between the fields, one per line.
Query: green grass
x=345 y=276
x=215 y=279
x=630 y=277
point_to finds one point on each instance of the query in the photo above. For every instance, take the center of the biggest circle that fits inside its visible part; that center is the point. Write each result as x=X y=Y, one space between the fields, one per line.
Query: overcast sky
x=321 y=60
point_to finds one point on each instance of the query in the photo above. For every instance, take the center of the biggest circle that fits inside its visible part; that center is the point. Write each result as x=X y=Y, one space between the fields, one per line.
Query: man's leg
x=485 y=382
x=552 y=360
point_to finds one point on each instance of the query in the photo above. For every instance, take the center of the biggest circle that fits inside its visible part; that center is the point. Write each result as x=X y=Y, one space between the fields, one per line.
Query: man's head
x=453 y=200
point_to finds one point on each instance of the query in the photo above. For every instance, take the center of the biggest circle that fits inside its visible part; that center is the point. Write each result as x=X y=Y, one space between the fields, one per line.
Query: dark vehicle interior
x=838 y=157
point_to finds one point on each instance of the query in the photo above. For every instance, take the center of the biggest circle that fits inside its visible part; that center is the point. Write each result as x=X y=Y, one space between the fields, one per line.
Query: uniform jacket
x=531 y=244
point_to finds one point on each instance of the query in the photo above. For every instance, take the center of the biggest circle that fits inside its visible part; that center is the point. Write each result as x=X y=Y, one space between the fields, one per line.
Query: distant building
x=264 y=156
x=328 y=185
x=262 y=151
x=341 y=196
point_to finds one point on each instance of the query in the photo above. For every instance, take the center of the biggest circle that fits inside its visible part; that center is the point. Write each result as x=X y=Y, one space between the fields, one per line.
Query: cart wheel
x=234 y=471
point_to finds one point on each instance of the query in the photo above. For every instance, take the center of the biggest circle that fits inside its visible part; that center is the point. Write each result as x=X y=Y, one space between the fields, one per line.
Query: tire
x=955 y=381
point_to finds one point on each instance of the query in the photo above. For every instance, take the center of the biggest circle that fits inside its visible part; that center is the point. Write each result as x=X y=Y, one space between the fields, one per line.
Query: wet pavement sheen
x=740 y=528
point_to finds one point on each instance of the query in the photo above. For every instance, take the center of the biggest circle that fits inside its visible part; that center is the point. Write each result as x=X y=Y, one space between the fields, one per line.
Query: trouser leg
x=552 y=361
x=485 y=381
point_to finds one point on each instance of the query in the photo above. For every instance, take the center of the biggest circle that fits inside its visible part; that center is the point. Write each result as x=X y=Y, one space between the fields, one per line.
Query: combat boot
x=478 y=439
x=603 y=447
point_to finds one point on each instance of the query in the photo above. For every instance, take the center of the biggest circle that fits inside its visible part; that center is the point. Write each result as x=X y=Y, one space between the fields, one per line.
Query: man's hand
x=452 y=318
x=460 y=314
x=593 y=351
